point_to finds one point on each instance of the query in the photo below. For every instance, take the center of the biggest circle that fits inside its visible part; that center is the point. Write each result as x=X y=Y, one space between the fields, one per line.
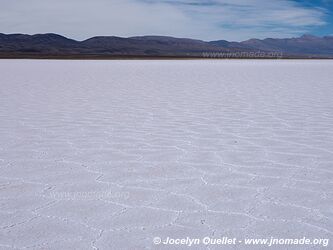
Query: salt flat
x=110 y=154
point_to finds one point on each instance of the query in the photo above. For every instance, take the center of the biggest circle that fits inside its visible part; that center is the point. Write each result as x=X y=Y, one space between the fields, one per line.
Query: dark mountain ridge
x=54 y=45
x=305 y=44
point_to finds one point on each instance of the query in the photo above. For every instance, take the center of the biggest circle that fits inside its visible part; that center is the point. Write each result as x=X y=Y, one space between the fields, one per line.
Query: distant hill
x=148 y=45
x=56 y=46
x=307 y=44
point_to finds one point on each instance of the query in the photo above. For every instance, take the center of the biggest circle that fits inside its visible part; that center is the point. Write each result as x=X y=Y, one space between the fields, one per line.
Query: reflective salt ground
x=110 y=154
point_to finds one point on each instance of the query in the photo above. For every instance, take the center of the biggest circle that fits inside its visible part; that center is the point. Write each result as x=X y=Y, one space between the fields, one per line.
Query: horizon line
x=163 y=36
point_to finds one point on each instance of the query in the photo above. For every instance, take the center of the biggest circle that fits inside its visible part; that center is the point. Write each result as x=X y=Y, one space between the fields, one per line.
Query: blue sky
x=201 y=19
x=327 y=6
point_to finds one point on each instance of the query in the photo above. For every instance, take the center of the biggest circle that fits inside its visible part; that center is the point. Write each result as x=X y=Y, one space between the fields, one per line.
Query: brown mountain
x=56 y=46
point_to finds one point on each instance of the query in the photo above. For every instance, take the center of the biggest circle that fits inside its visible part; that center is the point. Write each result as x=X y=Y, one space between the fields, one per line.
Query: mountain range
x=57 y=46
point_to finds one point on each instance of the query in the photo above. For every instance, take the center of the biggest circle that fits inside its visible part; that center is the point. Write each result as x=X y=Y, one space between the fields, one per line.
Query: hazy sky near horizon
x=202 y=19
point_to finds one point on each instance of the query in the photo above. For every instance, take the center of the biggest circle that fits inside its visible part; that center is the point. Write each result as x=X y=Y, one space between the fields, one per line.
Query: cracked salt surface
x=110 y=154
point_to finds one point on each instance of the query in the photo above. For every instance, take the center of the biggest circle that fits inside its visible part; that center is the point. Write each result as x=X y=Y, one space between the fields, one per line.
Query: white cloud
x=208 y=19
